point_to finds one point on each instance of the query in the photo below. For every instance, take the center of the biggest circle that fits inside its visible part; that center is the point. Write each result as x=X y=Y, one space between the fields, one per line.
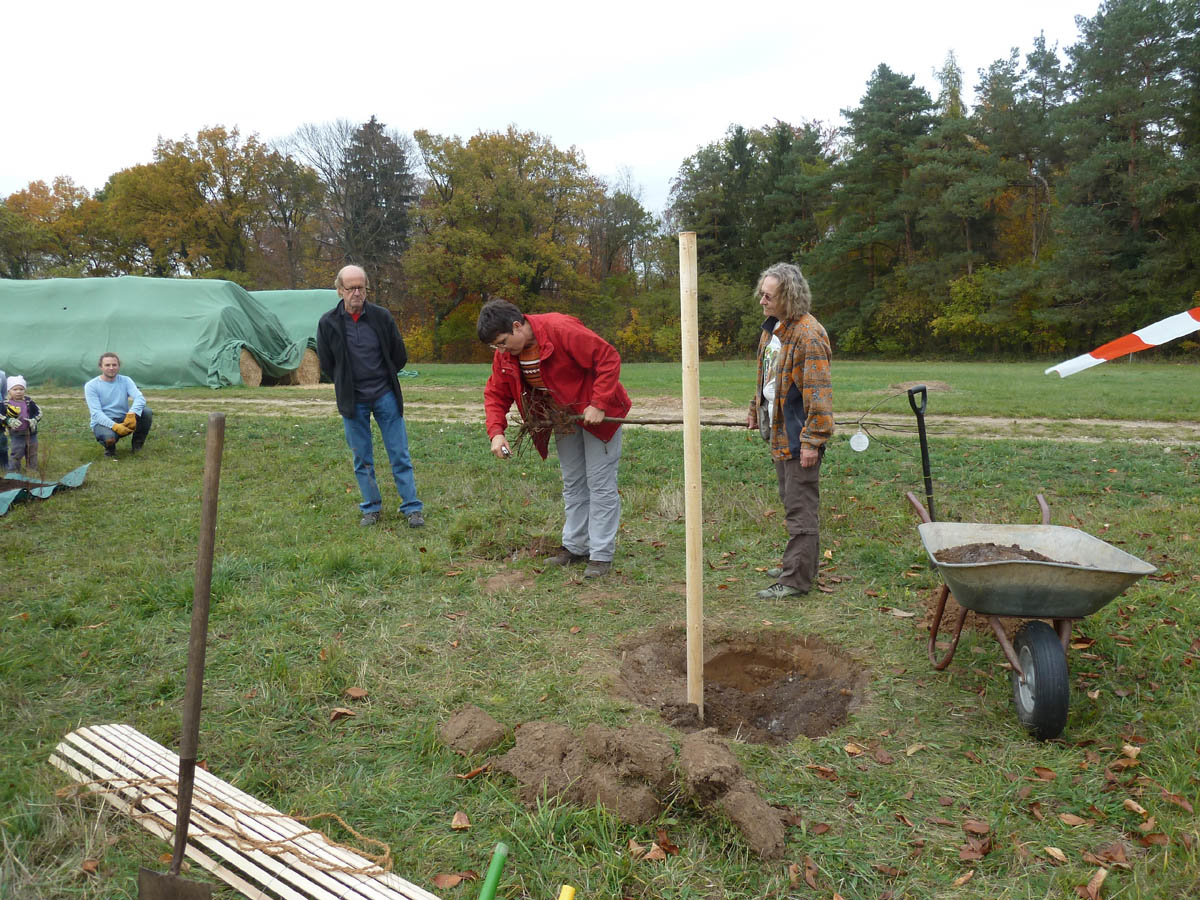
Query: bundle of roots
x=541 y=413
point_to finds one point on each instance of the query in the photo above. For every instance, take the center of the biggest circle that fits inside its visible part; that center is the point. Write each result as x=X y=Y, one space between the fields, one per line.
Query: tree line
x=1061 y=210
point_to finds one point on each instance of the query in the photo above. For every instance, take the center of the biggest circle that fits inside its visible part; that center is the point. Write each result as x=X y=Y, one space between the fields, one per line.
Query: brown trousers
x=800 y=493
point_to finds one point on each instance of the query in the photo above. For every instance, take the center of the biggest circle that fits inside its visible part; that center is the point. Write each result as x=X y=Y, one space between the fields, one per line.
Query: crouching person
x=117 y=407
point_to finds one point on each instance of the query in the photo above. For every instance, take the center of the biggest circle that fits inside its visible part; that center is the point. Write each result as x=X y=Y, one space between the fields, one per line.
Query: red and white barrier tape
x=1168 y=329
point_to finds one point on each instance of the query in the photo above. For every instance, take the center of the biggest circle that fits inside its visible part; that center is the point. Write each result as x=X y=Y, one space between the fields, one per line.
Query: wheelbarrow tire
x=1042 y=699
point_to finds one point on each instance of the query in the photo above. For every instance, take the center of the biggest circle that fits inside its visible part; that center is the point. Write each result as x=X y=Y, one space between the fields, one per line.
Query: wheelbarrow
x=1079 y=575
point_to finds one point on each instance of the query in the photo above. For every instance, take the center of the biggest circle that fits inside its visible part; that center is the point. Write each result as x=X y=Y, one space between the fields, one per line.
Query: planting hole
x=764 y=688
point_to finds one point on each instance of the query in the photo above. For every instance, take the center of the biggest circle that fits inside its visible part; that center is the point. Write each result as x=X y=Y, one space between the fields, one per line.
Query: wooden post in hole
x=692 y=508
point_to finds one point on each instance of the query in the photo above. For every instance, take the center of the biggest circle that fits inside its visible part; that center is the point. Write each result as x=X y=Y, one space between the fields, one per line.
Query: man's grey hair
x=337 y=281
x=795 y=299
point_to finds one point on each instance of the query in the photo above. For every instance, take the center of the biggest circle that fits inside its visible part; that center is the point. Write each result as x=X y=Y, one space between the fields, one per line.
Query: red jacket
x=579 y=369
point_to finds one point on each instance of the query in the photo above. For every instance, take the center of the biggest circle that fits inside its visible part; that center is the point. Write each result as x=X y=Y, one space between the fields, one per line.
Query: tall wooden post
x=692 y=508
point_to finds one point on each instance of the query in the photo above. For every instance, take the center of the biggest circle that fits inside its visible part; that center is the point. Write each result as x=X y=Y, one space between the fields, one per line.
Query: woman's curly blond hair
x=794 y=298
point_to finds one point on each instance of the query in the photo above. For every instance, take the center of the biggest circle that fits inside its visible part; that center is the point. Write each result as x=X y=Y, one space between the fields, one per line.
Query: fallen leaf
x=1178 y=800
x=853 y=749
x=467 y=776
x=823 y=771
x=1131 y=751
x=1093 y=885
x=973 y=757
x=90 y=866
x=1094 y=695
x=1146 y=826
x=574 y=629
x=1055 y=853
x=1134 y=807
x=1044 y=774
x=1151 y=840
x=882 y=757
x=828 y=554
x=665 y=842
x=810 y=872
x=964 y=878
x=901 y=613
x=975 y=826
x=793 y=872
x=355 y=693
x=1071 y=819
x=340 y=712
x=636 y=850
x=889 y=871
x=820 y=828
x=323 y=654
x=460 y=822
x=446 y=880
x=656 y=854
x=913 y=749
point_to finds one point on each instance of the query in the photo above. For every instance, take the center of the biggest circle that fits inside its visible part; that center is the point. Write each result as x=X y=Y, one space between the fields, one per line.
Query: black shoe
x=110 y=452
x=416 y=520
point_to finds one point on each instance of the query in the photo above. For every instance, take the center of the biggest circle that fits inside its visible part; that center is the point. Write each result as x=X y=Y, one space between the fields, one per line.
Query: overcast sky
x=89 y=87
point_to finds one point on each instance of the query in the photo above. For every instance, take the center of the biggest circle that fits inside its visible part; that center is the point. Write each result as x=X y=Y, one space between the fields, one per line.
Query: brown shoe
x=565 y=557
x=597 y=568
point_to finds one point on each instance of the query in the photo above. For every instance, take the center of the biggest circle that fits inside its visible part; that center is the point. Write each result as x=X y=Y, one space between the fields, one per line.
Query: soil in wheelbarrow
x=764 y=687
x=988 y=552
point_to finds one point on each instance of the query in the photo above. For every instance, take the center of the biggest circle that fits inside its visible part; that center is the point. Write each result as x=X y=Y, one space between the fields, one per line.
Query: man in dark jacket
x=360 y=348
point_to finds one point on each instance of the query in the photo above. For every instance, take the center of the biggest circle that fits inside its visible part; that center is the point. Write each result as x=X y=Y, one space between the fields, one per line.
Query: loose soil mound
x=988 y=552
x=629 y=771
x=764 y=688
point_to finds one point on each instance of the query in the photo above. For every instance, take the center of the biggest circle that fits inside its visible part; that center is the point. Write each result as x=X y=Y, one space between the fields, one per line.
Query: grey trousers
x=800 y=493
x=593 y=506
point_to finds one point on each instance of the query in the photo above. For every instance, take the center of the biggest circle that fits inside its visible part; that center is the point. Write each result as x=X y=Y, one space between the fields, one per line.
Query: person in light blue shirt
x=117 y=407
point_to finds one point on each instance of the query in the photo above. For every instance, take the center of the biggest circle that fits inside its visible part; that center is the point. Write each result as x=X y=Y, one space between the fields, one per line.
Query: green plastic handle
x=492 y=879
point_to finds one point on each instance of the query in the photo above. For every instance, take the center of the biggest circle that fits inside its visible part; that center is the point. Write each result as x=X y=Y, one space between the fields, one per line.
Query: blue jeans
x=395 y=442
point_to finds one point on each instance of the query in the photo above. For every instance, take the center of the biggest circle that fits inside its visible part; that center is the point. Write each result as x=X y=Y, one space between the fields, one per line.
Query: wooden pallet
x=138 y=776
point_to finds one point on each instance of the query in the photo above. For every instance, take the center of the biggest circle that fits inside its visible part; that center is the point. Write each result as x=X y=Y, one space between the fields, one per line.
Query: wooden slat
x=123 y=768
x=277 y=827
x=120 y=753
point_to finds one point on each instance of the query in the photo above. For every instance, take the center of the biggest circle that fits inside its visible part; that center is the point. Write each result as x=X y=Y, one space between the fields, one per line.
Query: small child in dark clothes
x=21 y=417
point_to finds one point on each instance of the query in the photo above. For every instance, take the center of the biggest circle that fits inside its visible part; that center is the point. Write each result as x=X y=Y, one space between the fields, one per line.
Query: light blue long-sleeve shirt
x=109 y=401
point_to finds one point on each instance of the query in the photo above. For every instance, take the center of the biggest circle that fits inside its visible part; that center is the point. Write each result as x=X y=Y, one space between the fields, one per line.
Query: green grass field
x=97 y=589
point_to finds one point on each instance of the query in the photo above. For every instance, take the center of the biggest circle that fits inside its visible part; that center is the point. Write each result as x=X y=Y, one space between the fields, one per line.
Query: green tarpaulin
x=169 y=332
x=299 y=311
x=35 y=487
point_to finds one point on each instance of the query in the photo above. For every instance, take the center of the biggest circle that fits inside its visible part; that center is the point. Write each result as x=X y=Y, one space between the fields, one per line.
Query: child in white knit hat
x=21 y=417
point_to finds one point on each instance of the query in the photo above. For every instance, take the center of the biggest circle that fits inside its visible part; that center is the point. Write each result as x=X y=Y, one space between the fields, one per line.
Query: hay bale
x=251 y=370
x=309 y=370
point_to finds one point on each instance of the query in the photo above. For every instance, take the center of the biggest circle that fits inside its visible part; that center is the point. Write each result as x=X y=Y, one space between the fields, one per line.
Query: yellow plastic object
x=566 y=893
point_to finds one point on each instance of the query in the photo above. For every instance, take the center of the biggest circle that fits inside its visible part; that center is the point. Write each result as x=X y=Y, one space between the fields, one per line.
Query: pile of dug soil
x=988 y=552
x=629 y=771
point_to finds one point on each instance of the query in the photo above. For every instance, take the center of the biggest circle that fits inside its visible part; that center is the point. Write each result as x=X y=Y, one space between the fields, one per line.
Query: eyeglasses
x=500 y=346
x=357 y=289
x=764 y=295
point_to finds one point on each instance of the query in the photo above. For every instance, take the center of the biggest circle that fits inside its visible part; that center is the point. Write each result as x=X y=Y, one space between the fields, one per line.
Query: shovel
x=919 y=411
x=152 y=885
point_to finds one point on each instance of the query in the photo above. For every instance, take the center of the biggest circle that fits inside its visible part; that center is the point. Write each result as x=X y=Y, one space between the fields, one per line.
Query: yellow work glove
x=130 y=421
x=122 y=429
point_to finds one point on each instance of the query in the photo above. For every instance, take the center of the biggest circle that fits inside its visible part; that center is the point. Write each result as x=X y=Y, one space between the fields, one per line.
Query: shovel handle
x=198 y=636
x=920 y=414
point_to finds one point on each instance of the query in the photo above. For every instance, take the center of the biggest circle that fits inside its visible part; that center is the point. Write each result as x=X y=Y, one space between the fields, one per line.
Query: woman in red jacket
x=553 y=359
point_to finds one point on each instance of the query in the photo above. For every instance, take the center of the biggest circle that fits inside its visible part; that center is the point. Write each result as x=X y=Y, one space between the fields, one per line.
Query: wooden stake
x=692 y=509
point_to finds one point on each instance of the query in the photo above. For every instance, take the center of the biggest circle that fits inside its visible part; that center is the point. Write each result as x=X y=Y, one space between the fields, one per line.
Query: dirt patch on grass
x=931 y=386
x=765 y=687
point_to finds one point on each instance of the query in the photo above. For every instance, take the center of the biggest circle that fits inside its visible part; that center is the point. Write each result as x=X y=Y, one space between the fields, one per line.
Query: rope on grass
x=163 y=787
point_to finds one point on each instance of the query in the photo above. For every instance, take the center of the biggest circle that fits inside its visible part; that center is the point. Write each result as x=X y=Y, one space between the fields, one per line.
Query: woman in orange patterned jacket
x=793 y=409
